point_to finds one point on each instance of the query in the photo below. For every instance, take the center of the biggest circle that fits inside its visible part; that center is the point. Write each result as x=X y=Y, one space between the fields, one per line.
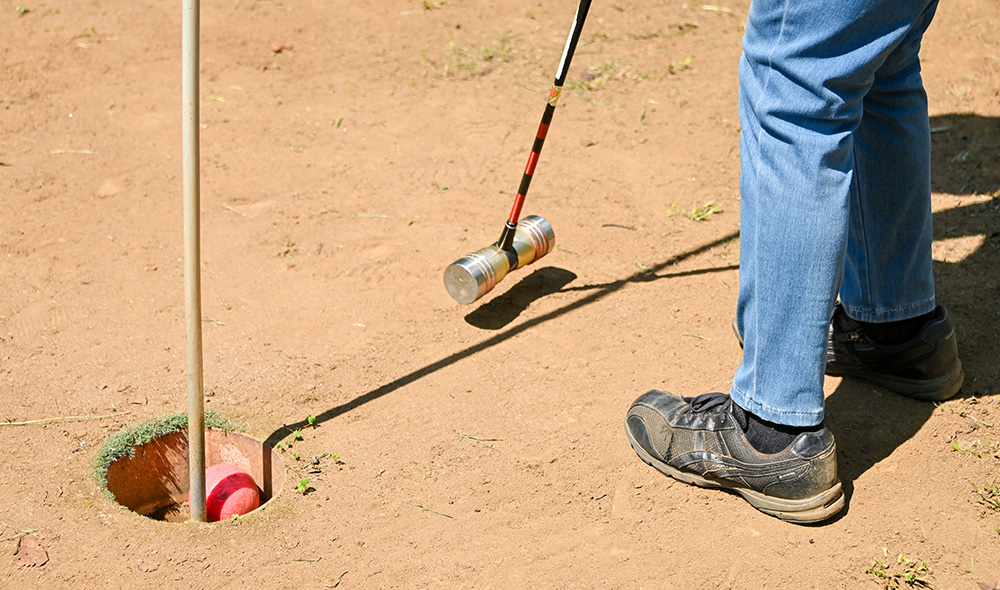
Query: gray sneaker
x=698 y=441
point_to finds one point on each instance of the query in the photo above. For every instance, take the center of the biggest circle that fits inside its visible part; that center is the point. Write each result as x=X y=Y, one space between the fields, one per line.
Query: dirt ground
x=481 y=446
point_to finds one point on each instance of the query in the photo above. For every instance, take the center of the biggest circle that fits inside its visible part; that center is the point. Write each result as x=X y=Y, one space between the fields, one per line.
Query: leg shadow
x=869 y=422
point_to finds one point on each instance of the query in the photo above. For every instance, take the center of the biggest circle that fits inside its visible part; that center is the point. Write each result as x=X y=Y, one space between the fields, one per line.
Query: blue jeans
x=835 y=187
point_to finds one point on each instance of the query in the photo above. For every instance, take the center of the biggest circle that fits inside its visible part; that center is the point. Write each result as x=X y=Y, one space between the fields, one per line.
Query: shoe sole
x=925 y=390
x=804 y=511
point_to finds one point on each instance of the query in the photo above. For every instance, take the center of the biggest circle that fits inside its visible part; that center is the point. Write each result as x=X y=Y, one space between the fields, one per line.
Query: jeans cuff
x=772 y=414
x=892 y=314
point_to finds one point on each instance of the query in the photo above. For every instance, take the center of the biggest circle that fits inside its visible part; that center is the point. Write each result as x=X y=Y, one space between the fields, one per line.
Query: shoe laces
x=717 y=401
x=706 y=402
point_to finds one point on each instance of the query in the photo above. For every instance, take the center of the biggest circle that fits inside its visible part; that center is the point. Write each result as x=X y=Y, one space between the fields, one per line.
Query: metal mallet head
x=522 y=242
x=474 y=275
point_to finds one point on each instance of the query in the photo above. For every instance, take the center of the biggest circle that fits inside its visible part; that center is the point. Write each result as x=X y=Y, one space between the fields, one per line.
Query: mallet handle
x=506 y=240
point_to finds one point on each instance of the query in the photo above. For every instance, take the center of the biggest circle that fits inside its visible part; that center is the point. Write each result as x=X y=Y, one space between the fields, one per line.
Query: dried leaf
x=30 y=553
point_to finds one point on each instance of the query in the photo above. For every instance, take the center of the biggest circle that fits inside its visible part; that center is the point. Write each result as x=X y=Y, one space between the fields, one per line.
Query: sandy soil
x=482 y=446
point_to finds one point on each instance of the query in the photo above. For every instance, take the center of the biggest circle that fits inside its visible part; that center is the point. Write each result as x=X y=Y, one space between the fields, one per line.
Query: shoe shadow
x=869 y=423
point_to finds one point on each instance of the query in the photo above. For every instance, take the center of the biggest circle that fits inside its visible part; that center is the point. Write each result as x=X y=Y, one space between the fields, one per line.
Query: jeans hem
x=771 y=414
x=892 y=314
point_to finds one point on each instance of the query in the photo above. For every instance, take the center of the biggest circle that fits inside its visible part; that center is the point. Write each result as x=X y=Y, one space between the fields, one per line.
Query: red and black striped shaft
x=506 y=240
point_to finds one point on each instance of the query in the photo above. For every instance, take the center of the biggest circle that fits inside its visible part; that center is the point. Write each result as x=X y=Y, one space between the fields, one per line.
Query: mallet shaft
x=506 y=240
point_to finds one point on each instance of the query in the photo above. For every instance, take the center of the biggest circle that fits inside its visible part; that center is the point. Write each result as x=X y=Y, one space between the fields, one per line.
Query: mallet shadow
x=548 y=277
x=499 y=312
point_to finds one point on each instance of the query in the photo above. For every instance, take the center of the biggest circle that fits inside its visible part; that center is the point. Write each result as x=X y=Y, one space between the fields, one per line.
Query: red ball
x=229 y=490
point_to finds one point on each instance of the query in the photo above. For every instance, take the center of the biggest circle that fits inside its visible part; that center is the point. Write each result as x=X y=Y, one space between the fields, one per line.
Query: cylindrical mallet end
x=474 y=275
x=533 y=239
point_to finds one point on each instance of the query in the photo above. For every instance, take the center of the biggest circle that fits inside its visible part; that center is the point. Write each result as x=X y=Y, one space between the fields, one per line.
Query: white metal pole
x=190 y=29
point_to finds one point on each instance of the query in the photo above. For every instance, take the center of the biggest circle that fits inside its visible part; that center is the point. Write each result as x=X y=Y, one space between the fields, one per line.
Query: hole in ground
x=155 y=480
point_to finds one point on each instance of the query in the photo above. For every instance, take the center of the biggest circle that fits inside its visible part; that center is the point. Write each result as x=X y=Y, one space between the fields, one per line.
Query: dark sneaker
x=699 y=441
x=926 y=367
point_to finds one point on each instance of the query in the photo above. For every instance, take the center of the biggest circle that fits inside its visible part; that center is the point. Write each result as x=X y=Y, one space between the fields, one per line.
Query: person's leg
x=806 y=69
x=888 y=275
x=887 y=328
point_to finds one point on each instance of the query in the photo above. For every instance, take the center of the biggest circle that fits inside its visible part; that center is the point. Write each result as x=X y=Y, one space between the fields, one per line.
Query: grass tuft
x=899 y=572
x=697 y=213
x=462 y=62
x=123 y=443
x=989 y=494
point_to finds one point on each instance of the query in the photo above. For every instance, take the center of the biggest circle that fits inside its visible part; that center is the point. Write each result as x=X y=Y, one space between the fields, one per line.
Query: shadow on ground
x=965 y=160
x=499 y=312
x=965 y=154
x=869 y=422
x=509 y=309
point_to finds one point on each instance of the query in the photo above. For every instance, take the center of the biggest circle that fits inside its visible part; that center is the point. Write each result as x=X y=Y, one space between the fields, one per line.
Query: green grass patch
x=697 y=213
x=988 y=494
x=124 y=442
x=900 y=572
x=464 y=62
x=679 y=66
